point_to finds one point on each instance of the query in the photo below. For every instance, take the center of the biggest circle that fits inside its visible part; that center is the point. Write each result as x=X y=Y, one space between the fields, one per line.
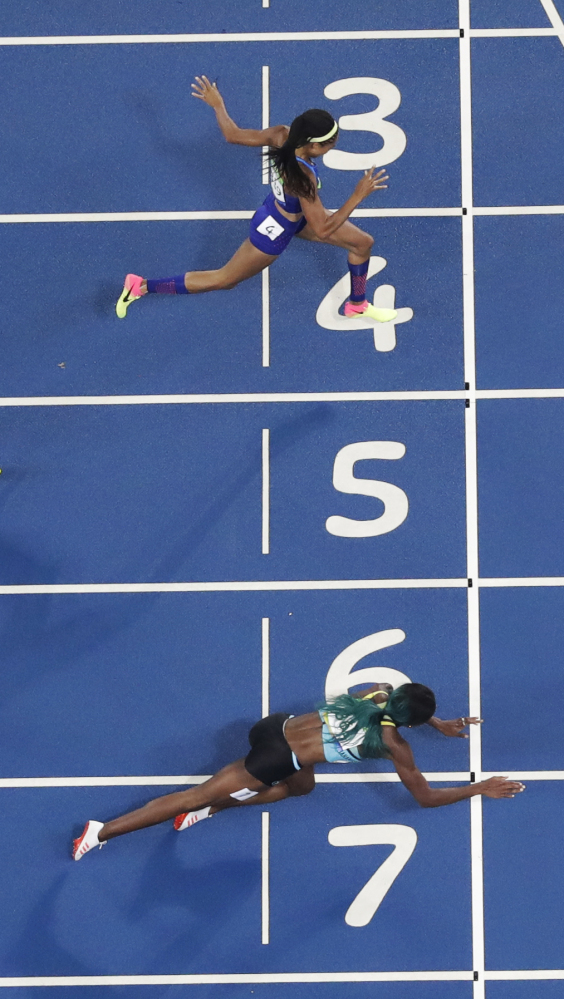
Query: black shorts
x=270 y=759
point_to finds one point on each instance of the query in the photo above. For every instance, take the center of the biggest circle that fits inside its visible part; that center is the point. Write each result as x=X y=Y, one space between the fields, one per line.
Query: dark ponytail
x=306 y=126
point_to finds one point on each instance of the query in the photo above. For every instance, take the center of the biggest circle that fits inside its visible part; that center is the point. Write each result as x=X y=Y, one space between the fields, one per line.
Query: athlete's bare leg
x=349 y=237
x=303 y=782
x=233 y=777
x=245 y=263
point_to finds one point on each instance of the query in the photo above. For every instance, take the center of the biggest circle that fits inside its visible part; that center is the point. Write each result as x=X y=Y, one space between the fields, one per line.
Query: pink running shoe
x=353 y=310
x=131 y=292
x=188 y=819
x=88 y=840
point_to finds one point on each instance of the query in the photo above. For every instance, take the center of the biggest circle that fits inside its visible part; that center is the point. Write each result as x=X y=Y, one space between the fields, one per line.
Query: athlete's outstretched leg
x=231 y=778
x=302 y=782
x=245 y=263
x=359 y=245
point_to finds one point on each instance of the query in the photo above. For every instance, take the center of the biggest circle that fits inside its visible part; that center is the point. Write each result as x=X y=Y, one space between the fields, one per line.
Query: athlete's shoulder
x=279 y=134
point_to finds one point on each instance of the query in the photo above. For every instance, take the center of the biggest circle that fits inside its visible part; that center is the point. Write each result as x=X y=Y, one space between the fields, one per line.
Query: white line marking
x=265 y=878
x=215 y=216
x=266 y=492
x=279 y=397
x=282 y=977
x=524 y=581
x=265 y=117
x=471 y=495
x=243 y=586
x=523 y=976
x=458 y=777
x=266 y=3
x=265 y=666
x=521 y=210
x=512 y=32
x=554 y=18
x=265 y=287
x=159 y=400
x=255 y=36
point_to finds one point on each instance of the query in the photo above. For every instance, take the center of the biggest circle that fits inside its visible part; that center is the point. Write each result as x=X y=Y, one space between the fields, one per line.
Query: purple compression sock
x=358 y=281
x=167 y=286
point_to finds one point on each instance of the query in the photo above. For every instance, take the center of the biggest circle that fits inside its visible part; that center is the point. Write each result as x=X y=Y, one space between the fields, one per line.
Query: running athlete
x=285 y=749
x=293 y=208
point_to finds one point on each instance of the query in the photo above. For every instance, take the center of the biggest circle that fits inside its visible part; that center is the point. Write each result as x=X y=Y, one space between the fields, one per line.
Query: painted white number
x=404 y=838
x=329 y=318
x=341 y=678
x=395 y=501
x=394 y=137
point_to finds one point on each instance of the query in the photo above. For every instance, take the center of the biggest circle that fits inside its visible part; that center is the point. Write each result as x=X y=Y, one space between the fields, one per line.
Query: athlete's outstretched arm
x=432 y=797
x=454 y=726
x=208 y=92
x=323 y=224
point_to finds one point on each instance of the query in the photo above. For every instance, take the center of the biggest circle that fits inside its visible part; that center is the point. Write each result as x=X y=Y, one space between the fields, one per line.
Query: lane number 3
x=394 y=138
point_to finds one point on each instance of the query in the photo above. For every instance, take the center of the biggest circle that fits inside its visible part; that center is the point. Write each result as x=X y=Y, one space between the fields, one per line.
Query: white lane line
x=265 y=288
x=244 y=586
x=265 y=119
x=265 y=878
x=554 y=18
x=183 y=400
x=211 y=216
x=279 y=397
x=457 y=777
x=265 y=672
x=282 y=977
x=523 y=581
x=524 y=976
x=478 y=955
x=521 y=210
x=266 y=492
x=254 y=36
x=512 y=32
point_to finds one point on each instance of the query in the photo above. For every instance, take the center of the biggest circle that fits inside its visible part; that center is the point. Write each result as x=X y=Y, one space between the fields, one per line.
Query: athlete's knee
x=301 y=783
x=366 y=243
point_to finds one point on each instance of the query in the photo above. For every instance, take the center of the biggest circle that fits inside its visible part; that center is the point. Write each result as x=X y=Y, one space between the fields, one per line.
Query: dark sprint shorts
x=270 y=759
x=270 y=231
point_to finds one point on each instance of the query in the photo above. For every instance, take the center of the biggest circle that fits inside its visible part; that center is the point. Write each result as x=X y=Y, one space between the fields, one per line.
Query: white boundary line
x=280 y=397
x=313 y=977
x=236 y=214
x=168 y=780
x=265 y=667
x=265 y=886
x=554 y=18
x=265 y=289
x=249 y=36
x=266 y=492
x=478 y=953
x=288 y=36
x=265 y=120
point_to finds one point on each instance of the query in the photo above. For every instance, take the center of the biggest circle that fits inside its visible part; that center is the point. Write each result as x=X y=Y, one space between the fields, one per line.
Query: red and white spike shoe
x=188 y=819
x=88 y=840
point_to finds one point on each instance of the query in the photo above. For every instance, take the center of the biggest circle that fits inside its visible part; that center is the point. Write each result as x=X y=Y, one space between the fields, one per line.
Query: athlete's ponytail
x=306 y=127
x=410 y=704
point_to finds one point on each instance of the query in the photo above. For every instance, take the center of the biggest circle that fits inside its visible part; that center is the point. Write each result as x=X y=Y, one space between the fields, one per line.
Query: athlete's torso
x=289 y=204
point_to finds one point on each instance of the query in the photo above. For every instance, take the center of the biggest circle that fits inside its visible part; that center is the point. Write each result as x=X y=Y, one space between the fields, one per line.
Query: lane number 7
x=403 y=838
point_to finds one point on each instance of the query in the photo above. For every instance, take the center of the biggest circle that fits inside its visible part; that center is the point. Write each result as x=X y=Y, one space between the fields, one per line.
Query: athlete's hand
x=454 y=727
x=370 y=182
x=500 y=787
x=207 y=92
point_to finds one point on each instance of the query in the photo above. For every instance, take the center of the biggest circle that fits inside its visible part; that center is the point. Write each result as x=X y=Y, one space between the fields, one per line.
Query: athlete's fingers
x=474 y=721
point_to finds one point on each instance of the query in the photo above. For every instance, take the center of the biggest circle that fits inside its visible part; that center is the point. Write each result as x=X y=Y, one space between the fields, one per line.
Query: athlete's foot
x=133 y=289
x=88 y=840
x=353 y=310
x=188 y=819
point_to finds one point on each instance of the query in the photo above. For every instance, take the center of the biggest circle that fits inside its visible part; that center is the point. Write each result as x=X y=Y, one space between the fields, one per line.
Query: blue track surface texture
x=173 y=490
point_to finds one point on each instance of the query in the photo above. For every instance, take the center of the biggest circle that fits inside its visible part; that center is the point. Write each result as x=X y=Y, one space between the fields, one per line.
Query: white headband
x=329 y=135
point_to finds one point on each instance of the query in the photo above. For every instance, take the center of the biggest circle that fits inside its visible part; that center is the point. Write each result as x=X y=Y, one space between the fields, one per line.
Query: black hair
x=303 y=128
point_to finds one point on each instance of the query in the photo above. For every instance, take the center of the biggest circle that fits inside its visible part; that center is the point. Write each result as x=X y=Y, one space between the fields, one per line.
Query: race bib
x=270 y=227
x=277 y=185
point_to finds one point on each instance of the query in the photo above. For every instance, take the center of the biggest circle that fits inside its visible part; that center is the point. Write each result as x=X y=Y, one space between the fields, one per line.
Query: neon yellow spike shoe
x=353 y=310
x=131 y=292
